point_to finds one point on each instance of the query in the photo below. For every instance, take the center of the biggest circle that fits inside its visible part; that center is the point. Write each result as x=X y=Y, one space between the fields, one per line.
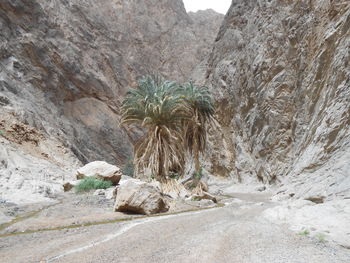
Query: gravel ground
x=234 y=233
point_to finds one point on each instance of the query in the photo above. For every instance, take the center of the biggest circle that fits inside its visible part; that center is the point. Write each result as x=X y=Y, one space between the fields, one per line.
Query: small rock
x=110 y=193
x=206 y=196
x=206 y=203
x=317 y=199
x=4 y=101
x=69 y=185
x=261 y=188
x=99 y=192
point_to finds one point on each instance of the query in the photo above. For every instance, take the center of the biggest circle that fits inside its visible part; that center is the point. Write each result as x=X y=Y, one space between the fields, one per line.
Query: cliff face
x=64 y=69
x=66 y=65
x=280 y=70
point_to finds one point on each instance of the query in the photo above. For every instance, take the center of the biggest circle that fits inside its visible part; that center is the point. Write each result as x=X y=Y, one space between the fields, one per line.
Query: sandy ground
x=236 y=232
x=71 y=210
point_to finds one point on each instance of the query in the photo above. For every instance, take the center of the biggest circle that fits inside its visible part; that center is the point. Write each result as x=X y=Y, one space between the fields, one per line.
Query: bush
x=198 y=175
x=91 y=183
x=128 y=168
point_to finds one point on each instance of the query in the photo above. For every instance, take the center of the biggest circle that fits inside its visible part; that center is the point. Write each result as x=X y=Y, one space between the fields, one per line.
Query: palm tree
x=200 y=111
x=157 y=108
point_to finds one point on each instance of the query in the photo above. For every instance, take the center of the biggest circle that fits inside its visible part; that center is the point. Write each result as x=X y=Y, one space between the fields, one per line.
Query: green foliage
x=321 y=237
x=175 y=118
x=199 y=174
x=200 y=110
x=196 y=198
x=198 y=99
x=304 y=233
x=2 y=132
x=90 y=183
x=157 y=108
x=174 y=175
x=128 y=168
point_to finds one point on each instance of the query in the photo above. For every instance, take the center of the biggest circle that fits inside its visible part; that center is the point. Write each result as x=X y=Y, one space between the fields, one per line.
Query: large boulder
x=139 y=197
x=101 y=170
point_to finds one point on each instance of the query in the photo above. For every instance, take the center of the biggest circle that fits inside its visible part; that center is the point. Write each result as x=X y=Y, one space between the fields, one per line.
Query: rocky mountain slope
x=66 y=65
x=280 y=71
x=281 y=75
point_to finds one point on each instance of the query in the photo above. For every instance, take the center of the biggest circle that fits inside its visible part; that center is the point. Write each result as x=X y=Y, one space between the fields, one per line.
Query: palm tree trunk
x=196 y=161
x=160 y=175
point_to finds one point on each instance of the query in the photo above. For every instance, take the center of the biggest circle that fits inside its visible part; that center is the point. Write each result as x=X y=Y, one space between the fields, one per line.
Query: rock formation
x=100 y=170
x=278 y=69
x=65 y=67
x=135 y=196
x=280 y=72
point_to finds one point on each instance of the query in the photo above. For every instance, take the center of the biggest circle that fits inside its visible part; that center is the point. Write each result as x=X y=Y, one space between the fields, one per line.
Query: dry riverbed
x=71 y=210
x=234 y=232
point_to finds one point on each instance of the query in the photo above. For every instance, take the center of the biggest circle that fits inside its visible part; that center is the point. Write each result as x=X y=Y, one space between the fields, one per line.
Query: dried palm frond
x=200 y=108
x=155 y=107
x=174 y=186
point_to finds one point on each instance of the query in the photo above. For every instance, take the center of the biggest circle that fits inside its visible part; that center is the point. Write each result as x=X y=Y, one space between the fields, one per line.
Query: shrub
x=304 y=233
x=198 y=175
x=321 y=237
x=90 y=183
x=128 y=168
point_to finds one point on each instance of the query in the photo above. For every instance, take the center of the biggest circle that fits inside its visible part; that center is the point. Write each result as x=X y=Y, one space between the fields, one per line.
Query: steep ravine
x=281 y=73
x=278 y=70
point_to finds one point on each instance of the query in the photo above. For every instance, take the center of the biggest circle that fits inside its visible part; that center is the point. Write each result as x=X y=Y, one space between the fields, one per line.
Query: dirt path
x=234 y=233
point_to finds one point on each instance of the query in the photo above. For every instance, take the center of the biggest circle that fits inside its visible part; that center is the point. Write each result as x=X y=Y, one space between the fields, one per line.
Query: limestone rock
x=99 y=192
x=67 y=186
x=204 y=196
x=32 y=172
x=110 y=193
x=65 y=66
x=332 y=218
x=139 y=197
x=101 y=170
x=318 y=199
x=261 y=188
x=279 y=72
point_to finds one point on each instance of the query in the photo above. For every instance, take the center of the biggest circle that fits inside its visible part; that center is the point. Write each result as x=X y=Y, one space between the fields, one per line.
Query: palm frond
x=201 y=108
x=157 y=108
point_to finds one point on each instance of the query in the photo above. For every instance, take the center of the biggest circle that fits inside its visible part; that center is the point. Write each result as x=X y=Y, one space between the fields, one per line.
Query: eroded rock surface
x=33 y=171
x=66 y=65
x=281 y=75
x=280 y=71
x=139 y=197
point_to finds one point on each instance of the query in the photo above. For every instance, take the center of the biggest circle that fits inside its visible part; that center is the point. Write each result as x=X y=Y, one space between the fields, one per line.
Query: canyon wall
x=281 y=75
x=66 y=65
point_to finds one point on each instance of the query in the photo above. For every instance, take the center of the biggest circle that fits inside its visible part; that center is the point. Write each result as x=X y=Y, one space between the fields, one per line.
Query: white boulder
x=139 y=197
x=101 y=170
